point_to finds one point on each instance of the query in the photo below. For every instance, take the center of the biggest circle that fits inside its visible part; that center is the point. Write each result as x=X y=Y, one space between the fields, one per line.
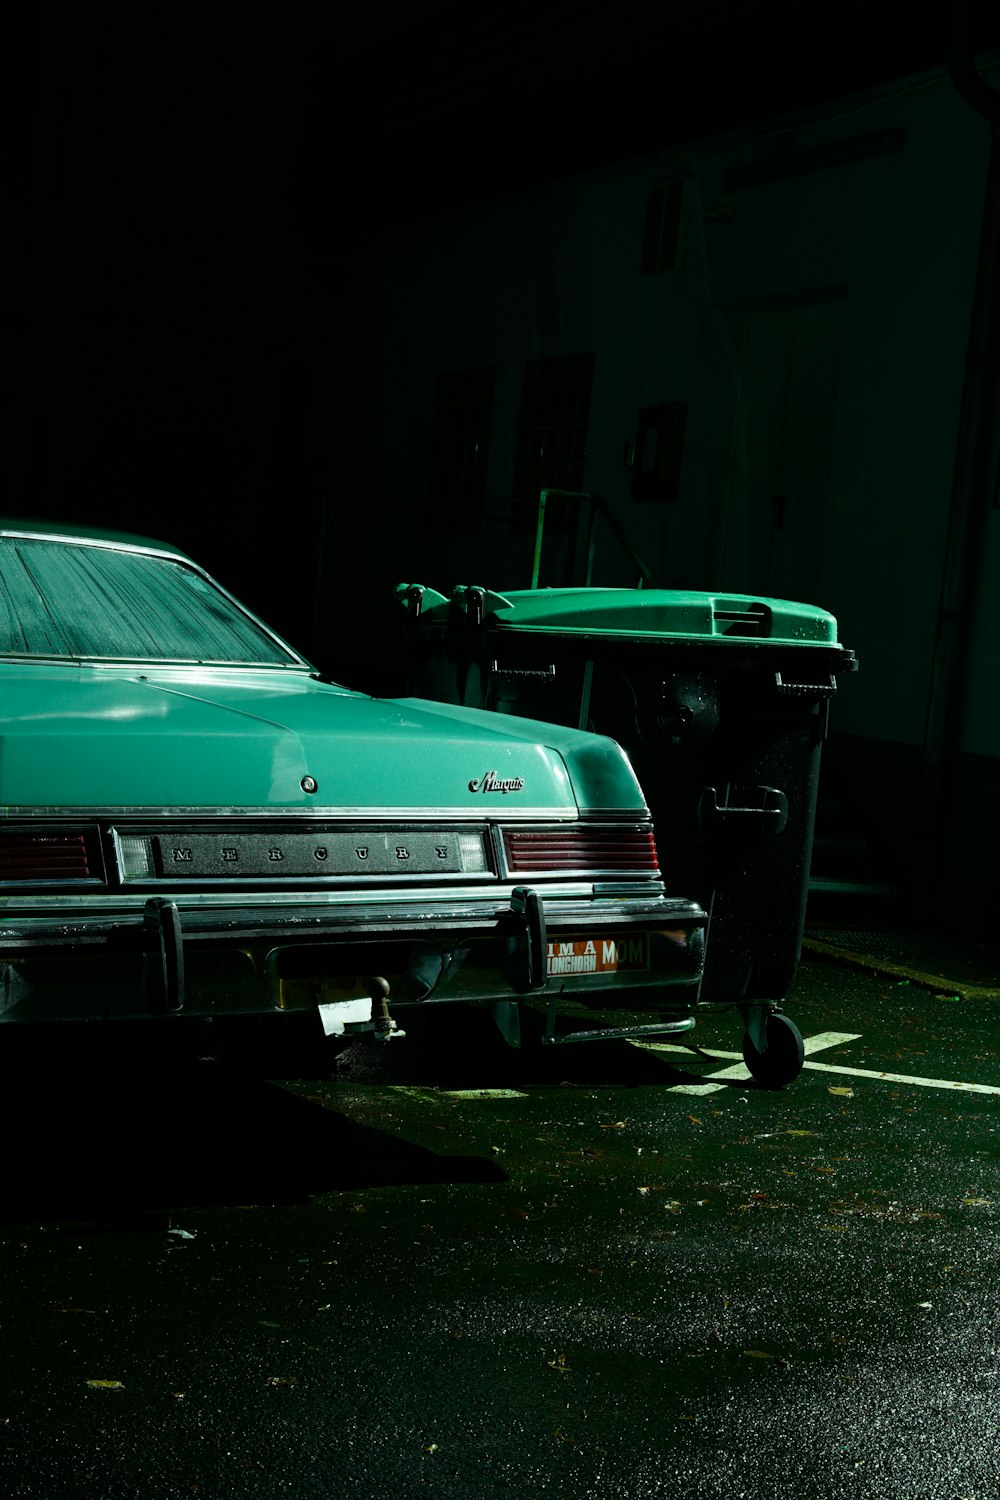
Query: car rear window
x=62 y=599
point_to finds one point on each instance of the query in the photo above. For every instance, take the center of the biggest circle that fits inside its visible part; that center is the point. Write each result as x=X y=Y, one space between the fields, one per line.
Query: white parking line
x=828 y=1039
x=813 y=1044
x=741 y=1073
x=923 y=1083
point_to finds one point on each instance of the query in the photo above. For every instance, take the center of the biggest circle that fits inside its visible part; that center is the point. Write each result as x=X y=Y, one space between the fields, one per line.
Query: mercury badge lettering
x=200 y=824
x=491 y=782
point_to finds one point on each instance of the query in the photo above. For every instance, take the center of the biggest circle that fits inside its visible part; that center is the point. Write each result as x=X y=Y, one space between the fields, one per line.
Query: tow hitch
x=385 y=1027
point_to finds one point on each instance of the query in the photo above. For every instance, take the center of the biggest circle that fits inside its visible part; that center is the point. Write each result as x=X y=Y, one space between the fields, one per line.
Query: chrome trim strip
x=25 y=533
x=495 y=840
x=25 y=887
x=266 y=888
x=616 y=815
x=206 y=668
x=462 y=813
x=47 y=906
x=116 y=850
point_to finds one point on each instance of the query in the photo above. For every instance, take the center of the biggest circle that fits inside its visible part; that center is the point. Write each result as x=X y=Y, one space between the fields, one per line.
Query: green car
x=196 y=823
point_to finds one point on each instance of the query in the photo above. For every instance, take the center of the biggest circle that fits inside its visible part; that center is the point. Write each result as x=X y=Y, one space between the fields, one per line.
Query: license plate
x=598 y=955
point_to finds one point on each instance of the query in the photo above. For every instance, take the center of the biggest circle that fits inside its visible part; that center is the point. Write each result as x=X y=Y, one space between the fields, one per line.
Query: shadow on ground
x=112 y=1128
x=119 y=1139
x=448 y=1049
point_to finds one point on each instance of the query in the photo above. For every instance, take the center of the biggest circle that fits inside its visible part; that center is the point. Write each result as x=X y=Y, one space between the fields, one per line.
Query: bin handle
x=765 y=810
x=805 y=689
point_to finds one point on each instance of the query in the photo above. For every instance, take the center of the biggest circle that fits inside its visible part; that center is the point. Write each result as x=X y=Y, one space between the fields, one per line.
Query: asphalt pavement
x=443 y=1268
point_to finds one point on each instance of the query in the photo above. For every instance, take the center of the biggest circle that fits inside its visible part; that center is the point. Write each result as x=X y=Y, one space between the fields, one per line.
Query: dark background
x=183 y=188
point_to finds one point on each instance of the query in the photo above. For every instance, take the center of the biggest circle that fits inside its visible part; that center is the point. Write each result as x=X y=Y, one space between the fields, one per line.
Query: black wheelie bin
x=722 y=703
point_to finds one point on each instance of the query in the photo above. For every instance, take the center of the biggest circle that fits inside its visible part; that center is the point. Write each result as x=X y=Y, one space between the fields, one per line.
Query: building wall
x=816 y=328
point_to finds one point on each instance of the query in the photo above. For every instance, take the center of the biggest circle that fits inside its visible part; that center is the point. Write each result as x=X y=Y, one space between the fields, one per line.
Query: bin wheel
x=785 y=1055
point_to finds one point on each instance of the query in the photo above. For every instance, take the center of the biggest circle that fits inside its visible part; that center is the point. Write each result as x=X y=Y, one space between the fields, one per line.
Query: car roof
x=70 y=531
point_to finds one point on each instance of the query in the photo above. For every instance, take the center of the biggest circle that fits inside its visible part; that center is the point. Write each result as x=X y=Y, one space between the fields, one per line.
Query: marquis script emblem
x=491 y=782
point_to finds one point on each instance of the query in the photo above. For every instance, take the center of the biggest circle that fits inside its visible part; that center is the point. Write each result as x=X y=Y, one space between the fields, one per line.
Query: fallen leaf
x=763 y=1354
x=430 y=1448
x=798 y=1132
x=281 y=1380
x=843 y=1093
x=105 y=1385
x=978 y=1202
x=694 y=1119
x=616 y=1125
x=559 y=1363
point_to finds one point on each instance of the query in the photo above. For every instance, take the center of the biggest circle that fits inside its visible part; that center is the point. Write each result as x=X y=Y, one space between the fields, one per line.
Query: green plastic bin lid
x=673 y=614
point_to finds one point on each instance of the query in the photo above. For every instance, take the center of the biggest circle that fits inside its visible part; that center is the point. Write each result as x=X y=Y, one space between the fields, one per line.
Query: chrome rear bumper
x=456 y=949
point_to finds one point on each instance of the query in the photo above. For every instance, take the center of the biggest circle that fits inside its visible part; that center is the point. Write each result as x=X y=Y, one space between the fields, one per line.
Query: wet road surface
x=455 y=1270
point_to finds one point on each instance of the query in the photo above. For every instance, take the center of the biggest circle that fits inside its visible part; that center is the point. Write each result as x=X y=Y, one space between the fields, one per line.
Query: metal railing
x=597 y=506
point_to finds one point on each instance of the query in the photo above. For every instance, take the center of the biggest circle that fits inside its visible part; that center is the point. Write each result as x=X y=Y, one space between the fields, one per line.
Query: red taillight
x=583 y=850
x=44 y=856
